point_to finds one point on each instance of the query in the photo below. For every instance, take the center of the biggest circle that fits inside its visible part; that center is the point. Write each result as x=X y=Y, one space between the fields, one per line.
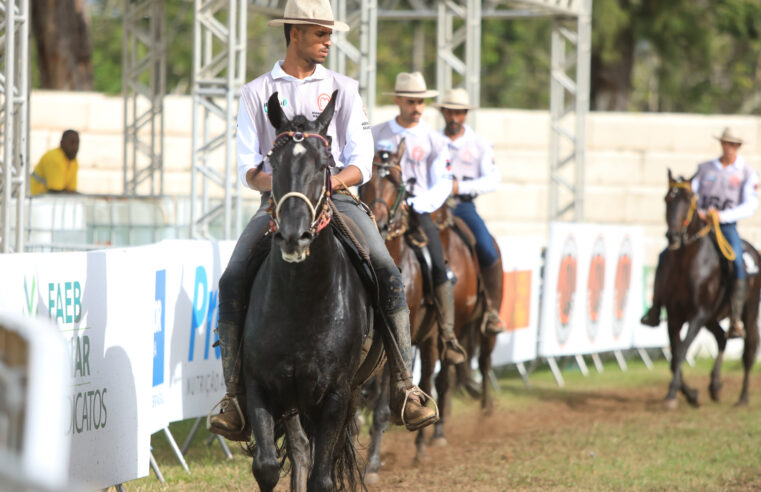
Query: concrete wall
x=627 y=157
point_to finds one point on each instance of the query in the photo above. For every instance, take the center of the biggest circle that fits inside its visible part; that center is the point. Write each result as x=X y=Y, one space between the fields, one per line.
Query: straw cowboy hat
x=729 y=136
x=411 y=85
x=316 y=12
x=455 y=99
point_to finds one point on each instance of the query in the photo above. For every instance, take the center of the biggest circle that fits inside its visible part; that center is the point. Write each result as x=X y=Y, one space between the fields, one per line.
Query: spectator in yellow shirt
x=57 y=170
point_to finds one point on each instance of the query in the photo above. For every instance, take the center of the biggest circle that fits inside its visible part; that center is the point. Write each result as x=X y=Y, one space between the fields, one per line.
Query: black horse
x=690 y=283
x=309 y=315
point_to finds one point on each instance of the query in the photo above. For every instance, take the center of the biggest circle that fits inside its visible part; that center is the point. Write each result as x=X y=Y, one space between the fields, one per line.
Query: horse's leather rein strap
x=712 y=224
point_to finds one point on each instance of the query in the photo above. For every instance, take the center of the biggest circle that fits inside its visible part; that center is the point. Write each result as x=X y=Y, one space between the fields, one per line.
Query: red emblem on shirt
x=467 y=156
x=417 y=153
x=322 y=100
x=734 y=181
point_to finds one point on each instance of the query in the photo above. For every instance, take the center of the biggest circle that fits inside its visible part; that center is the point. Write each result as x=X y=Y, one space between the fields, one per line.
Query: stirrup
x=417 y=390
x=234 y=399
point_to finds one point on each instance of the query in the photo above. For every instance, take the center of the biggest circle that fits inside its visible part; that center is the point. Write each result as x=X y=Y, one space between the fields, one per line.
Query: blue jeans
x=730 y=232
x=485 y=250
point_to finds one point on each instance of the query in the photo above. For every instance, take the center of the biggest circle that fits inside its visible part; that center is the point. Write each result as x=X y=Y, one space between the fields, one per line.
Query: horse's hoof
x=488 y=411
x=741 y=403
x=715 y=391
x=421 y=458
x=372 y=478
x=439 y=442
x=692 y=398
x=670 y=403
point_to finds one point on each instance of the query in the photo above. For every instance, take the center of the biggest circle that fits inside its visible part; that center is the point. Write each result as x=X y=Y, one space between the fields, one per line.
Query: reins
x=712 y=224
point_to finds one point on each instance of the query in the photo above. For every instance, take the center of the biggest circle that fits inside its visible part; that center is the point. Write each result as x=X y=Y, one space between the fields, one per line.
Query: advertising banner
x=521 y=263
x=592 y=296
x=187 y=372
x=96 y=300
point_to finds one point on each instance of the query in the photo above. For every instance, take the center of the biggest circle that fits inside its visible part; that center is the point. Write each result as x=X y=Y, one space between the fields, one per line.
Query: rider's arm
x=247 y=150
x=489 y=179
x=349 y=176
x=748 y=205
x=440 y=186
x=357 y=149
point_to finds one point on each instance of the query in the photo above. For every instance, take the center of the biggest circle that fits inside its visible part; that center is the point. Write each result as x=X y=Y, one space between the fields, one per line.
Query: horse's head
x=300 y=160
x=386 y=191
x=681 y=205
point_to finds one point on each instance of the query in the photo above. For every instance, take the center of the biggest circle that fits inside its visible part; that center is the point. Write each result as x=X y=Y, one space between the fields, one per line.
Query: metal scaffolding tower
x=14 y=121
x=219 y=68
x=143 y=89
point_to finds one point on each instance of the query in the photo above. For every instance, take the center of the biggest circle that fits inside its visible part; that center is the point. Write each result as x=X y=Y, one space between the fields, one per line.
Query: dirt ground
x=481 y=449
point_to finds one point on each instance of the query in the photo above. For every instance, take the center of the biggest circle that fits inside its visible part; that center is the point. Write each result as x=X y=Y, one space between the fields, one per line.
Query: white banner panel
x=521 y=263
x=185 y=285
x=96 y=300
x=592 y=296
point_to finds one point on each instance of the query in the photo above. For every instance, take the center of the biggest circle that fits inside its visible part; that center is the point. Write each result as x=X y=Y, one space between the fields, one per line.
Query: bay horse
x=691 y=283
x=386 y=195
x=309 y=314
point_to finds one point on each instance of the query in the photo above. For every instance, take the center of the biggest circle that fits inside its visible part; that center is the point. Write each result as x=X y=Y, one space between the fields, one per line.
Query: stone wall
x=625 y=175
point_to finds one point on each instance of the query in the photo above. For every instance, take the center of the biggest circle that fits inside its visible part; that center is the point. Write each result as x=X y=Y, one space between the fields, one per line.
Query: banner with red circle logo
x=592 y=297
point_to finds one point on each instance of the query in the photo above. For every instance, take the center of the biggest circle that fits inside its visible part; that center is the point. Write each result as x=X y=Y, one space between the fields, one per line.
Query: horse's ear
x=324 y=119
x=275 y=112
x=694 y=176
x=402 y=147
x=671 y=176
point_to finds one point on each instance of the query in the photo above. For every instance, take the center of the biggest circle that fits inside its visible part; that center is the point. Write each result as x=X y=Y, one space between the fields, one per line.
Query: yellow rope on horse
x=712 y=222
x=724 y=246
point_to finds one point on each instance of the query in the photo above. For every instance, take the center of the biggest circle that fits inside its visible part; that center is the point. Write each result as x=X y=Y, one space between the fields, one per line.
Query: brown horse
x=691 y=284
x=386 y=194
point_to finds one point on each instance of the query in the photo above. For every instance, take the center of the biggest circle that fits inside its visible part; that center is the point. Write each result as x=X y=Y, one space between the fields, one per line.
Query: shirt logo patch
x=734 y=181
x=323 y=100
x=467 y=156
x=417 y=153
x=283 y=104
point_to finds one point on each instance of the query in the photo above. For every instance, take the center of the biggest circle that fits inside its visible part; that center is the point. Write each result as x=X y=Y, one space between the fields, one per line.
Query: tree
x=62 y=37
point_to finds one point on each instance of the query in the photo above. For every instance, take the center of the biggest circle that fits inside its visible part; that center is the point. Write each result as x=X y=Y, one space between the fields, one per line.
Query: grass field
x=607 y=431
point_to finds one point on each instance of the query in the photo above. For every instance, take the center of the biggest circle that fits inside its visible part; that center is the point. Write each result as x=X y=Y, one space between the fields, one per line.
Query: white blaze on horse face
x=298 y=149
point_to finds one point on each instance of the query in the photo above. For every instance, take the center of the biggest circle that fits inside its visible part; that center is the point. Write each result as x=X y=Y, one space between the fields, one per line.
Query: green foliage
x=689 y=56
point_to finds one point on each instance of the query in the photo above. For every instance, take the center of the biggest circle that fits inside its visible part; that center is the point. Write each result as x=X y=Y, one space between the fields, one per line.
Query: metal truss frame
x=219 y=68
x=14 y=121
x=143 y=89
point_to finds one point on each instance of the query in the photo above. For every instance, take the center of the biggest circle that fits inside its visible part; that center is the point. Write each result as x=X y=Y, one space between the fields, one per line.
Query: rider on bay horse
x=425 y=159
x=304 y=87
x=473 y=173
x=726 y=186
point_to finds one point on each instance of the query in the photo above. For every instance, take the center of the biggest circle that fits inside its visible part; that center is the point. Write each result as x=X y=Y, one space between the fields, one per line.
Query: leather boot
x=453 y=352
x=652 y=317
x=492 y=277
x=736 y=304
x=407 y=401
x=230 y=422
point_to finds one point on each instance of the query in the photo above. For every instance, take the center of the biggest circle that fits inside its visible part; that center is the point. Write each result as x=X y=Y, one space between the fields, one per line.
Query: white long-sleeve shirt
x=732 y=190
x=472 y=163
x=425 y=159
x=352 y=142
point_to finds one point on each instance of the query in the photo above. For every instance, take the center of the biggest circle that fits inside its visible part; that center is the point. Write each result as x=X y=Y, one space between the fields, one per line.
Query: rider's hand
x=259 y=180
x=335 y=184
x=702 y=215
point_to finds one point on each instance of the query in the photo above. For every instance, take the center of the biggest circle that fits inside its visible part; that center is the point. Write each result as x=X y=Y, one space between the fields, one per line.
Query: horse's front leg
x=266 y=467
x=484 y=365
x=298 y=453
x=751 y=344
x=427 y=365
x=381 y=413
x=679 y=352
x=328 y=441
x=714 y=387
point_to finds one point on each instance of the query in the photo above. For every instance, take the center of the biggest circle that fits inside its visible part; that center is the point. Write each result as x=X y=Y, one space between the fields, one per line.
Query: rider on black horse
x=473 y=173
x=425 y=159
x=726 y=186
x=304 y=87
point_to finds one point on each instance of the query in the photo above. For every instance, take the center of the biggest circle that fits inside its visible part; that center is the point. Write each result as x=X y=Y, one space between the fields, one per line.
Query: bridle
x=384 y=172
x=712 y=223
x=318 y=221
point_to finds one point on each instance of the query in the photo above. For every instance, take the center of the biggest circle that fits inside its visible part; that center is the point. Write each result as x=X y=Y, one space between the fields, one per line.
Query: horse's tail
x=346 y=472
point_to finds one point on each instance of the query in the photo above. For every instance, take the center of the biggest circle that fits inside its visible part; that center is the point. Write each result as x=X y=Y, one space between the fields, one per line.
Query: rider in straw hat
x=473 y=172
x=304 y=87
x=726 y=186
x=425 y=159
